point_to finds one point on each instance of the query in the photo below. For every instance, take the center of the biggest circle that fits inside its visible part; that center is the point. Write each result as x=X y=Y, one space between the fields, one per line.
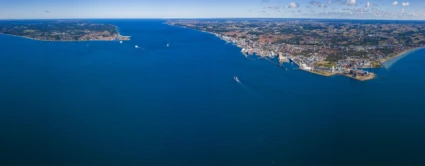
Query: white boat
x=136 y=46
x=120 y=42
x=168 y=45
x=236 y=79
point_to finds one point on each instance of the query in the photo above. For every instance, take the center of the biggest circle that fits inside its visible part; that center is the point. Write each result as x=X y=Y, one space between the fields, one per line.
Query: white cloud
x=395 y=3
x=351 y=2
x=405 y=3
x=293 y=5
x=318 y=4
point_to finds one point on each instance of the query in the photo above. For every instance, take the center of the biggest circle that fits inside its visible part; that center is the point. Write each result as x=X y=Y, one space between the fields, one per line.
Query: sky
x=351 y=9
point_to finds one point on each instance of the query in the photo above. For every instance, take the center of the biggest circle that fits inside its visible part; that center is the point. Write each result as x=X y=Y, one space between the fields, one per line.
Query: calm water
x=105 y=103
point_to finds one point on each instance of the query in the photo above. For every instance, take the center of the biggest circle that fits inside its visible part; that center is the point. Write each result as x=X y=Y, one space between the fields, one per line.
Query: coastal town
x=62 y=31
x=324 y=47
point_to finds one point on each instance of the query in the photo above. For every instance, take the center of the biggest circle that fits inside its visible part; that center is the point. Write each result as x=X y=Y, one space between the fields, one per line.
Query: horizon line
x=201 y=18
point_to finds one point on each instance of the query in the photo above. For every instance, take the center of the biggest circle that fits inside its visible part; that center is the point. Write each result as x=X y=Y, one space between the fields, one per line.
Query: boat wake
x=244 y=86
x=236 y=79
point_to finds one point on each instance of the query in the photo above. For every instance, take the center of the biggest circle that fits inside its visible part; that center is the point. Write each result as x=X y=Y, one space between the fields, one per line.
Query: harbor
x=353 y=73
x=327 y=49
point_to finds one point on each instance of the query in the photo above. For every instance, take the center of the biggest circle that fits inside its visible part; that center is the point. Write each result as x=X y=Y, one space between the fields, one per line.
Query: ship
x=136 y=46
x=120 y=42
x=168 y=45
x=236 y=79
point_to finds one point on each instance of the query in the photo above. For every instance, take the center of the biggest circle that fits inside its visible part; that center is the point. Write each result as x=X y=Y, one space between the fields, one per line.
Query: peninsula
x=62 y=30
x=325 y=47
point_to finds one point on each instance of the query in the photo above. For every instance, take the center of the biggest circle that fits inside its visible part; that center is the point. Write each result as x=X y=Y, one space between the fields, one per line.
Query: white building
x=282 y=58
x=305 y=67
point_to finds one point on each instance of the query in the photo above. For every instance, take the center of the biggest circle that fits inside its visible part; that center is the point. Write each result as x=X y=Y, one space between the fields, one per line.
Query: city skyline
x=339 y=9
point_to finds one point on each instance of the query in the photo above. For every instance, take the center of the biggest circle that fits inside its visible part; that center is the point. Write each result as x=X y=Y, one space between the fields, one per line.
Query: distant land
x=325 y=47
x=62 y=31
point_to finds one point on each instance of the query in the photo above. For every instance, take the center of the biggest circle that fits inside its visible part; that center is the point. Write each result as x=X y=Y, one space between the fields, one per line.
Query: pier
x=277 y=64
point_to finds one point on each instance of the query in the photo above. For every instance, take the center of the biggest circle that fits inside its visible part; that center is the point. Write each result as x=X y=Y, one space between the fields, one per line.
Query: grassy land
x=376 y=64
x=325 y=64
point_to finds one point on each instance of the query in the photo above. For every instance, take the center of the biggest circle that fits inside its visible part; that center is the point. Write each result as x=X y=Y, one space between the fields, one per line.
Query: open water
x=105 y=103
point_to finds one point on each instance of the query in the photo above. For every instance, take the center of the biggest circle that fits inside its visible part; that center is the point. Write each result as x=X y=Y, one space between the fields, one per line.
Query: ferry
x=136 y=46
x=236 y=79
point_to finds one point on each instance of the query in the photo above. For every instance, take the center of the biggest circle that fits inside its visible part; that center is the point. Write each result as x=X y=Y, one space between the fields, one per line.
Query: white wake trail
x=245 y=87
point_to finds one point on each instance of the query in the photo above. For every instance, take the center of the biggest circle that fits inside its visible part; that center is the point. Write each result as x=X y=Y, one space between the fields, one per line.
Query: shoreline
x=401 y=54
x=65 y=40
x=118 y=38
x=321 y=74
x=372 y=75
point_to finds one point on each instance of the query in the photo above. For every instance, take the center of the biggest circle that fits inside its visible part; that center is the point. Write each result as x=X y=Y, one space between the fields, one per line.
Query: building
x=305 y=67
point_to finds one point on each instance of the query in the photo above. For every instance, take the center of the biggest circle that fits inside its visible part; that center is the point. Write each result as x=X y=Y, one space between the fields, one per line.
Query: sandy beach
x=400 y=54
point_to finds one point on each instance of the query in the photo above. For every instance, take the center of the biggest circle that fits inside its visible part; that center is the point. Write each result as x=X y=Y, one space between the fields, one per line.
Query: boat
x=120 y=42
x=168 y=45
x=236 y=79
x=136 y=46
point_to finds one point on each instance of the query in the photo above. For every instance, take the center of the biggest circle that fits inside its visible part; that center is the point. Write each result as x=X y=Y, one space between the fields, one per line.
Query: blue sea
x=106 y=103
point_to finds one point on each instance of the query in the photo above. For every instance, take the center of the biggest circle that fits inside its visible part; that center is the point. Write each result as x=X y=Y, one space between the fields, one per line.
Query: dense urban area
x=325 y=47
x=62 y=30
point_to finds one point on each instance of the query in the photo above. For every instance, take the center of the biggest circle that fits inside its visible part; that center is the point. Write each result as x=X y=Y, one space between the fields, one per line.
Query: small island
x=62 y=31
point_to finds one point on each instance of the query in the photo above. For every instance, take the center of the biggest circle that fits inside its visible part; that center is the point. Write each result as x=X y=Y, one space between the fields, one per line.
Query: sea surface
x=106 y=103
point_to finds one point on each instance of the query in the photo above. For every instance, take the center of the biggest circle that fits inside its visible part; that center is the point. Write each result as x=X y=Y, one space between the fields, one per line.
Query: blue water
x=105 y=103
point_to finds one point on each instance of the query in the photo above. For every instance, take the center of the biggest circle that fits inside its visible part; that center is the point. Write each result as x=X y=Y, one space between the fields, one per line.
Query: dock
x=277 y=64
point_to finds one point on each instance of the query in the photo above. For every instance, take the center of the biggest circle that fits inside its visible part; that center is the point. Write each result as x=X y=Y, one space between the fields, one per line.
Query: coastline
x=402 y=53
x=118 y=37
x=370 y=77
x=373 y=75
x=66 y=40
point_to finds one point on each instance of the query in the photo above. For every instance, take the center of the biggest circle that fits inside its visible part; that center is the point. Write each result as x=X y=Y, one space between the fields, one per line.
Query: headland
x=62 y=31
